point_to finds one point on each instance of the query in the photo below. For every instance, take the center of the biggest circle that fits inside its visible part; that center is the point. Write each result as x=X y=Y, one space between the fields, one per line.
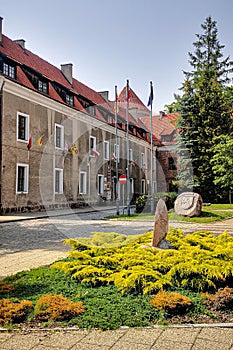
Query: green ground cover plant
x=113 y=279
x=215 y=212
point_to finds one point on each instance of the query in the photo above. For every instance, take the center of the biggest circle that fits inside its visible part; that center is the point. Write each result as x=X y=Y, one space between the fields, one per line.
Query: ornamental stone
x=188 y=204
x=160 y=224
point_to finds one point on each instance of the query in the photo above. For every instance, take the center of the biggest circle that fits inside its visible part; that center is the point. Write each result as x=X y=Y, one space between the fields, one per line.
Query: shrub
x=140 y=203
x=57 y=308
x=143 y=202
x=221 y=300
x=199 y=261
x=14 y=311
x=172 y=303
x=5 y=287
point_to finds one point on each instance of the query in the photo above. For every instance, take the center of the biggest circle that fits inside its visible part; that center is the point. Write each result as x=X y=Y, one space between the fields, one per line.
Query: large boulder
x=188 y=204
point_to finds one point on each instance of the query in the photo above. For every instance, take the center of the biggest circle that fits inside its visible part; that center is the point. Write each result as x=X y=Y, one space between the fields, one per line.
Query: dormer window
x=42 y=86
x=70 y=99
x=38 y=81
x=91 y=110
x=9 y=70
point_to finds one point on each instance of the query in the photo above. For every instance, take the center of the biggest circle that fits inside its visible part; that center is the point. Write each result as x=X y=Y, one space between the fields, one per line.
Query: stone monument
x=188 y=204
x=161 y=224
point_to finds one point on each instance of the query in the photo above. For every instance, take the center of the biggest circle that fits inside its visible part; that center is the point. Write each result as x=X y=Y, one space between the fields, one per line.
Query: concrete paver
x=159 y=338
x=37 y=241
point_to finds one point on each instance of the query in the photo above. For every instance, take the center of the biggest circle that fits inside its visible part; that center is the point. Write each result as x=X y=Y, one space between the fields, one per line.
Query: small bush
x=172 y=303
x=14 y=311
x=143 y=202
x=5 y=287
x=221 y=300
x=57 y=308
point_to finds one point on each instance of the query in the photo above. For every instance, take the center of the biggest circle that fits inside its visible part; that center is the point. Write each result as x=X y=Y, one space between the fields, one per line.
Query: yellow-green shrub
x=171 y=303
x=14 y=311
x=57 y=308
x=199 y=261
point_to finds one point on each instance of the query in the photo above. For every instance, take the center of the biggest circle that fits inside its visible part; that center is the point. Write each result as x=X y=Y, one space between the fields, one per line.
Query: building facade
x=62 y=143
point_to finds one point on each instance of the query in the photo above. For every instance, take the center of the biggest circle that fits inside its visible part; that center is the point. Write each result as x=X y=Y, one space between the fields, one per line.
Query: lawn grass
x=214 y=212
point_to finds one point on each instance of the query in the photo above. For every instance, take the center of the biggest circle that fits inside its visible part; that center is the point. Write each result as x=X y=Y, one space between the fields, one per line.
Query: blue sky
x=110 y=41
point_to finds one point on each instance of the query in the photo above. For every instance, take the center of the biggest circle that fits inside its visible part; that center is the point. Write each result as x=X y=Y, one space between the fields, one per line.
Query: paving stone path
x=158 y=338
x=27 y=242
x=216 y=227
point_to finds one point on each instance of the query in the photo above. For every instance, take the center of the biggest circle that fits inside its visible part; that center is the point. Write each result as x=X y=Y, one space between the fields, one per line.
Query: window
x=100 y=184
x=59 y=136
x=22 y=127
x=70 y=99
x=83 y=182
x=171 y=163
x=92 y=145
x=91 y=110
x=143 y=160
x=106 y=150
x=42 y=86
x=131 y=181
x=116 y=153
x=143 y=186
x=154 y=163
x=130 y=154
x=154 y=187
x=9 y=70
x=58 y=181
x=22 y=178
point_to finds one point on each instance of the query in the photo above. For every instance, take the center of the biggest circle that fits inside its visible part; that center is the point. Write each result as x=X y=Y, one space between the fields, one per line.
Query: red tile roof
x=53 y=93
x=24 y=57
x=134 y=101
x=161 y=126
x=23 y=79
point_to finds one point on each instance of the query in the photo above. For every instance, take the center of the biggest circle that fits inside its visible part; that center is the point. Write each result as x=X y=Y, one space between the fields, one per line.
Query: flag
x=74 y=149
x=29 y=145
x=151 y=97
x=95 y=153
x=39 y=141
x=116 y=101
x=128 y=92
x=133 y=162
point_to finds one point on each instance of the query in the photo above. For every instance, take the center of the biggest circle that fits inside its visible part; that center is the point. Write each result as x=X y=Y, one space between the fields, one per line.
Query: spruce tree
x=204 y=107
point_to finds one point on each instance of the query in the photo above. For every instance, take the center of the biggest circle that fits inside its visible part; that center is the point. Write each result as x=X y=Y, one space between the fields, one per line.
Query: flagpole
x=116 y=155
x=127 y=148
x=152 y=203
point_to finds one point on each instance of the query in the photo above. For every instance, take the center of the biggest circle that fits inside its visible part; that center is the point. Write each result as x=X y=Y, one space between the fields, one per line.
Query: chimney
x=1 y=19
x=161 y=114
x=20 y=42
x=104 y=94
x=67 y=71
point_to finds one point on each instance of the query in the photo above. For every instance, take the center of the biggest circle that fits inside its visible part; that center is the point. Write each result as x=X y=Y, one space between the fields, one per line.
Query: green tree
x=204 y=107
x=222 y=163
x=184 y=179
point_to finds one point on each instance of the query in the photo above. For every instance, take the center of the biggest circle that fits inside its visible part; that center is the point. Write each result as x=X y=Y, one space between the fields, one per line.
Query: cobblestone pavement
x=32 y=241
x=28 y=241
